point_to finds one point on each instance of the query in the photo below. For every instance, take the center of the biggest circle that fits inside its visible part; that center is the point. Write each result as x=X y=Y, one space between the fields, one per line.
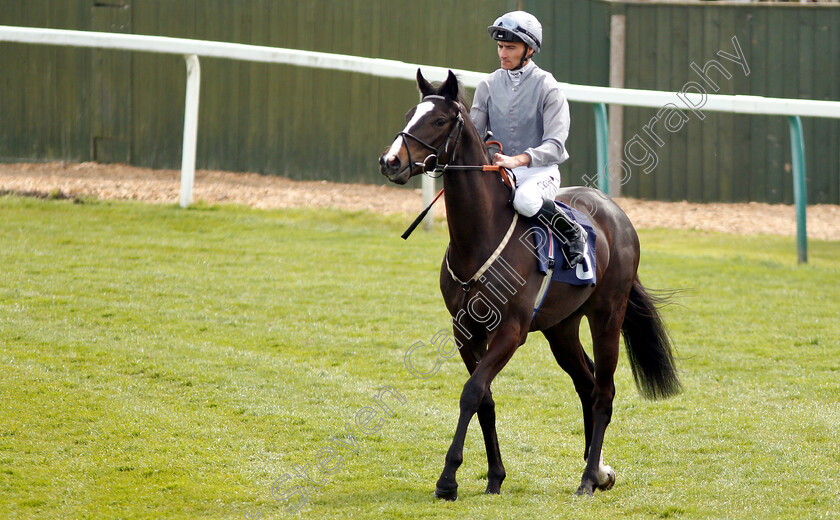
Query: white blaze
x=422 y=109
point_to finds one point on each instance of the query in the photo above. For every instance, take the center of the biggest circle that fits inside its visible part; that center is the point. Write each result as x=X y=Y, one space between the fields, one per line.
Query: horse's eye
x=439 y=122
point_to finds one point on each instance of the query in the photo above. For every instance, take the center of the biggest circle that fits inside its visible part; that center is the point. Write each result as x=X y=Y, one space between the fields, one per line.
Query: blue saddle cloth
x=584 y=273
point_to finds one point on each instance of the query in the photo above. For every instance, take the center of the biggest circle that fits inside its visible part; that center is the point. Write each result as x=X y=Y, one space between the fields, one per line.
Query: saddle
x=551 y=254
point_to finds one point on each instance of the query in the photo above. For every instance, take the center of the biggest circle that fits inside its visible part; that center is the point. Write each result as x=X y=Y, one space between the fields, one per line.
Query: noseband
x=431 y=164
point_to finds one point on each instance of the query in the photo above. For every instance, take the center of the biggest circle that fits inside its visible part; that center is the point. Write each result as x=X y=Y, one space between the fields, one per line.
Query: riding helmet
x=518 y=26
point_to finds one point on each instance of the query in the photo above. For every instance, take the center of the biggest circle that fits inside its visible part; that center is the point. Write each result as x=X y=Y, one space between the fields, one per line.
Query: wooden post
x=616 y=116
x=111 y=123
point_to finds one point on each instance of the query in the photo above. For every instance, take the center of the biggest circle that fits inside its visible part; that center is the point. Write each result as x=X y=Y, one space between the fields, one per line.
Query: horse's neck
x=477 y=206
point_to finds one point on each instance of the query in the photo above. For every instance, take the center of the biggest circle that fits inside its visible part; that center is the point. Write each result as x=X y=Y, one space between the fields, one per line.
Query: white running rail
x=192 y=49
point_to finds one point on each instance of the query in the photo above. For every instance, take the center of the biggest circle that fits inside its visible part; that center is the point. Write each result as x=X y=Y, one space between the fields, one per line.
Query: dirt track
x=133 y=183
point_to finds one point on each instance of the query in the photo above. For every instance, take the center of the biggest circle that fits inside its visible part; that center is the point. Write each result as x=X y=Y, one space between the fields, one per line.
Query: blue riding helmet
x=518 y=26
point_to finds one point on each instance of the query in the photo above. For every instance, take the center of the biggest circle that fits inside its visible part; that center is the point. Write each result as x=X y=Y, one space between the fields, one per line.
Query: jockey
x=527 y=112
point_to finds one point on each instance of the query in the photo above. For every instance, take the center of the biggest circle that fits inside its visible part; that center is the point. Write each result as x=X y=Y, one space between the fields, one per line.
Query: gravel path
x=112 y=181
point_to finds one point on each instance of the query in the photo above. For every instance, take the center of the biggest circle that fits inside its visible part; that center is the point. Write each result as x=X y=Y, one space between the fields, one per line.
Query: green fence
x=792 y=52
x=80 y=104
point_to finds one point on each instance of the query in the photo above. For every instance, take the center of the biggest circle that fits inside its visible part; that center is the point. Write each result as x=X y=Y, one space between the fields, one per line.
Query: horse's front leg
x=477 y=388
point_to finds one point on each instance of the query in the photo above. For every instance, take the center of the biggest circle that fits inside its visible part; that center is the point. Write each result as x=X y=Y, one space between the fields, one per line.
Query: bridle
x=431 y=164
x=432 y=167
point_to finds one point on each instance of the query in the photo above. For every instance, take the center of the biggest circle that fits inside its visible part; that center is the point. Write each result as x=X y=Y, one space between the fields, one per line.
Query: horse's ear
x=450 y=87
x=425 y=87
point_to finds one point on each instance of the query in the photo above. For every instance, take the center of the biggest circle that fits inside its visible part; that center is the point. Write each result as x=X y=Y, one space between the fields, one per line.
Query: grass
x=163 y=363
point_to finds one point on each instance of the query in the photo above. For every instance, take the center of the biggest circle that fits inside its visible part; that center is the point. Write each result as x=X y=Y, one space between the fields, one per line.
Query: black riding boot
x=569 y=231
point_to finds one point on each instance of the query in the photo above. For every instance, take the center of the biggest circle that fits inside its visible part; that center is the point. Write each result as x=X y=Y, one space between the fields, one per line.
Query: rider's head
x=519 y=36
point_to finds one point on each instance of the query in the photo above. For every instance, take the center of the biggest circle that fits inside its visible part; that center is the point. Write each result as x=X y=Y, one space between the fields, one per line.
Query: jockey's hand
x=511 y=162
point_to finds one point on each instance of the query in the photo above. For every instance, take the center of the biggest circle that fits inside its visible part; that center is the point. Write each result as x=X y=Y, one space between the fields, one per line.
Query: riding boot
x=571 y=233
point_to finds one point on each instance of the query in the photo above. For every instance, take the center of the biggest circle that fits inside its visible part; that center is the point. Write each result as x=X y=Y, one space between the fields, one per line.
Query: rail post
x=190 y=128
x=800 y=192
x=602 y=138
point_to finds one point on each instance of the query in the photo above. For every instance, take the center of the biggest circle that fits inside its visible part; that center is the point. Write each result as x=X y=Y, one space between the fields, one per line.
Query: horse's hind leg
x=565 y=344
x=606 y=330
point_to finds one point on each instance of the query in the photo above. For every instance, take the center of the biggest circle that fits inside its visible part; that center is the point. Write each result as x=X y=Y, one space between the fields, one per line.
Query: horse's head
x=430 y=135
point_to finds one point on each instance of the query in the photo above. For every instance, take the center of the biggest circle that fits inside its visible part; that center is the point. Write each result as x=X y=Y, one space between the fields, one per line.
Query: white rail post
x=428 y=197
x=190 y=129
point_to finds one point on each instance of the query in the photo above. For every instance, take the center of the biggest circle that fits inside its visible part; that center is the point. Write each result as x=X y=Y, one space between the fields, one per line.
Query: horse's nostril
x=389 y=164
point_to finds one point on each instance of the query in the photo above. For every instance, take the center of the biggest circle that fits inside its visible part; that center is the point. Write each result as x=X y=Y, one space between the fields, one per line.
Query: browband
x=436 y=96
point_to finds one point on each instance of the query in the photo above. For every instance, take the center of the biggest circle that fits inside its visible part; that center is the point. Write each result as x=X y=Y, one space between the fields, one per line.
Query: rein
x=506 y=178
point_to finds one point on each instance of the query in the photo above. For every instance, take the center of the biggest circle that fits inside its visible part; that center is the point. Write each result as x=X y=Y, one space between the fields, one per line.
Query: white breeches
x=533 y=186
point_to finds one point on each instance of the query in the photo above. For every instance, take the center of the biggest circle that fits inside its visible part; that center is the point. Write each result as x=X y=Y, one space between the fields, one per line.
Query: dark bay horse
x=492 y=315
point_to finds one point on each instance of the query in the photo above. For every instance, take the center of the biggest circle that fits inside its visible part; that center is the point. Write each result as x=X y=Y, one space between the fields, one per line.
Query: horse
x=492 y=315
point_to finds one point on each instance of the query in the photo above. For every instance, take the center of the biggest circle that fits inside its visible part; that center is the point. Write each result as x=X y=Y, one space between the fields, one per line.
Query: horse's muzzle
x=391 y=167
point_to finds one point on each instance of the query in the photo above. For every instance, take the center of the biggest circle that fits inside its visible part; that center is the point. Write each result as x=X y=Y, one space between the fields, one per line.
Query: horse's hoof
x=492 y=491
x=606 y=477
x=446 y=494
x=584 y=491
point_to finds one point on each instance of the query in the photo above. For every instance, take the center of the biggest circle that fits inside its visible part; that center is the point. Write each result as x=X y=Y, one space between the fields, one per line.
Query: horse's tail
x=649 y=345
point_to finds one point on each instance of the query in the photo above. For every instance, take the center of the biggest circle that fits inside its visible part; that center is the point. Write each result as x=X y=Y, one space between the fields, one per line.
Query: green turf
x=166 y=363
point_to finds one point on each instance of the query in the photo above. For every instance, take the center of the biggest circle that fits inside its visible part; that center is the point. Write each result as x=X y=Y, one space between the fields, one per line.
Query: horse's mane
x=466 y=103
x=463 y=97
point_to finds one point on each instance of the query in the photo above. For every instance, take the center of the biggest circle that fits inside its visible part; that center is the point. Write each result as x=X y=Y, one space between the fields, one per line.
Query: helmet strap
x=525 y=58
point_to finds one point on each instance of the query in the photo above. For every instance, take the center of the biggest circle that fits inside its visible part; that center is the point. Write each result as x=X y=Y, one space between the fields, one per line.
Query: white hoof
x=606 y=478
x=606 y=475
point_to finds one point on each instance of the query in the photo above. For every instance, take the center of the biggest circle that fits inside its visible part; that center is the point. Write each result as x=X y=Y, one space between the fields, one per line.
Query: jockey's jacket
x=527 y=112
